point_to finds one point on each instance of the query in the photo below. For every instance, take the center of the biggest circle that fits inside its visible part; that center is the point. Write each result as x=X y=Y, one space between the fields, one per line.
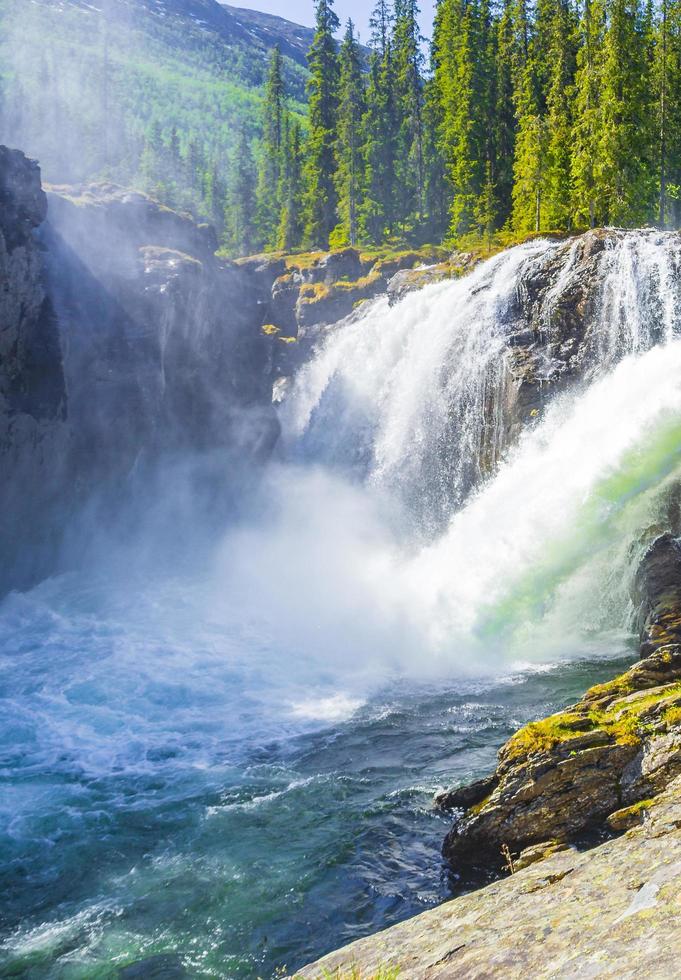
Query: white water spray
x=537 y=562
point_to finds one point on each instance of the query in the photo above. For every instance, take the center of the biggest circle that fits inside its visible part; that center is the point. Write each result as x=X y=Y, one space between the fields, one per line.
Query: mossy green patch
x=625 y=722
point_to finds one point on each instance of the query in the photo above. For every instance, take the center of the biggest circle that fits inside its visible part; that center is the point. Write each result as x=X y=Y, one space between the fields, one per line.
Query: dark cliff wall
x=127 y=348
x=33 y=434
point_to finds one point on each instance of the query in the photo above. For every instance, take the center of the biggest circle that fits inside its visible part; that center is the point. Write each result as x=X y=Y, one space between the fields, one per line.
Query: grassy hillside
x=152 y=93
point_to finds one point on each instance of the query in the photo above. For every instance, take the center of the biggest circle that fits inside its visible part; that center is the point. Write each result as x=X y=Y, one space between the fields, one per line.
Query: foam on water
x=199 y=761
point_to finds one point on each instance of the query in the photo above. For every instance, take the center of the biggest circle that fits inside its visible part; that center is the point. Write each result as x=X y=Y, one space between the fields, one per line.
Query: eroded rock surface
x=609 y=913
x=565 y=775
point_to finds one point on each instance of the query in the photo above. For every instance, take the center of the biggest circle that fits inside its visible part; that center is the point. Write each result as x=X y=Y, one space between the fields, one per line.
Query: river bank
x=567 y=904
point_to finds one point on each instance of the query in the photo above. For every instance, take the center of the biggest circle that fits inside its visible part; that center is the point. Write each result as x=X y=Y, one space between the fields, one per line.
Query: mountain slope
x=293 y=39
x=151 y=93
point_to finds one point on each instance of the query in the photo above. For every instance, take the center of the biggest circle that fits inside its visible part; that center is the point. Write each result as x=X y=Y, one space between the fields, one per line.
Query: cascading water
x=222 y=771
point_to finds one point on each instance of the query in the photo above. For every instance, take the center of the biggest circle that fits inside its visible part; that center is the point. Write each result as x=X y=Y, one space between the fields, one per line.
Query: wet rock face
x=122 y=304
x=657 y=594
x=32 y=390
x=160 y=336
x=592 y=766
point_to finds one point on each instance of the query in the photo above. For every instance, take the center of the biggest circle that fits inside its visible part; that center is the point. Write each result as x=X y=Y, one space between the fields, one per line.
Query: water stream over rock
x=224 y=764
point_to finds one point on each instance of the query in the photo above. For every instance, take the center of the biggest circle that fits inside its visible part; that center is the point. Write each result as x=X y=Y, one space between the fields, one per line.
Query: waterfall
x=518 y=525
x=212 y=744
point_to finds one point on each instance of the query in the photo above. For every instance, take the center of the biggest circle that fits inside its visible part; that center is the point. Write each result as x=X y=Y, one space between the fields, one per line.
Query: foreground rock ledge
x=610 y=763
x=613 y=911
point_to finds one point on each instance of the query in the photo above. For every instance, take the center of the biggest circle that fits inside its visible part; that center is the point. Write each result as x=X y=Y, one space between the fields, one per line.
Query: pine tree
x=530 y=157
x=290 y=232
x=349 y=174
x=586 y=133
x=241 y=236
x=378 y=210
x=464 y=77
x=320 y=170
x=504 y=121
x=625 y=151
x=408 y=68
x=557 y=209
x=269 y=170
x=667 y=88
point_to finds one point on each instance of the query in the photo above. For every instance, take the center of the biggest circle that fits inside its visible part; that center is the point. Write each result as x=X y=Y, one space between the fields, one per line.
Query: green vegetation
x=542 y=118
x=531 y=118
x=624 y=719
x=161 y=103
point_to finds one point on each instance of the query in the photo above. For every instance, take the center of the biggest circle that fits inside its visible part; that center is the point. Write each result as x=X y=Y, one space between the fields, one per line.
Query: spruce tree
x=504 y=120
x=667 y=89
x=320 y=170
x=530 y=157
x=349 y=174
x=587 y=206
x=625 y=151
x=378 y=210
x=241 y=236
x=557 y=209
x=290 y=232
x=269 y=170
x=408 y=68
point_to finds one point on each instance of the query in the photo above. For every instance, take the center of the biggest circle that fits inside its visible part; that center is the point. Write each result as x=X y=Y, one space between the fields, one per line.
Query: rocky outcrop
x=306 y=291
x=657 y=594
x=32 y=389
x=610 y=912
x=125 y=346
x=160 y=335
x=591 y=767
x=564 y=776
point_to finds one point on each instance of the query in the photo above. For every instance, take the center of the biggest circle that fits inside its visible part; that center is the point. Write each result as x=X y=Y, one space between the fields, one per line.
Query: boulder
x=572 y=774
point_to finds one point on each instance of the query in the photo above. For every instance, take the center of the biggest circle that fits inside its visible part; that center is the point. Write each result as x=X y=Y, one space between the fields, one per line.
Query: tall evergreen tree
x=667 y=91
x=408 y=67
x=530 y=163
x=290 y=233
x=559 y=79
x=378 y=211
x=504 y=120
x=241 y=235
x=626 y=173
x=271 y=157
x=349 y=174
x=320 y=171
x=586 y=134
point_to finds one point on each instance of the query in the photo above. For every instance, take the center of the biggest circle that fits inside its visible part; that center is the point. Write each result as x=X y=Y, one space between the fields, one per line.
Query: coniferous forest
x=518 y=116
x=528 y=117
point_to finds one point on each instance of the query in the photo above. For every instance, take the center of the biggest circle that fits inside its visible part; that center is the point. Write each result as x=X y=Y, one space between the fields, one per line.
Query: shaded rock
x=657 y=594
x=122 y=303
x=464 y=797
x=108 y=223
x=162 y=338
x=33 y=435
x=344 y=264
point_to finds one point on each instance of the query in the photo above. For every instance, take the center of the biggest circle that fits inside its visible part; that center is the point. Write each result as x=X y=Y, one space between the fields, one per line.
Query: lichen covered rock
x=567 y=774
x=610 y=912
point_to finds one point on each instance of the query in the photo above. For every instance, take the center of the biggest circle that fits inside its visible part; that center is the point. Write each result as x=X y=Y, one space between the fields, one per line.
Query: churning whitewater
x=255 y=737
